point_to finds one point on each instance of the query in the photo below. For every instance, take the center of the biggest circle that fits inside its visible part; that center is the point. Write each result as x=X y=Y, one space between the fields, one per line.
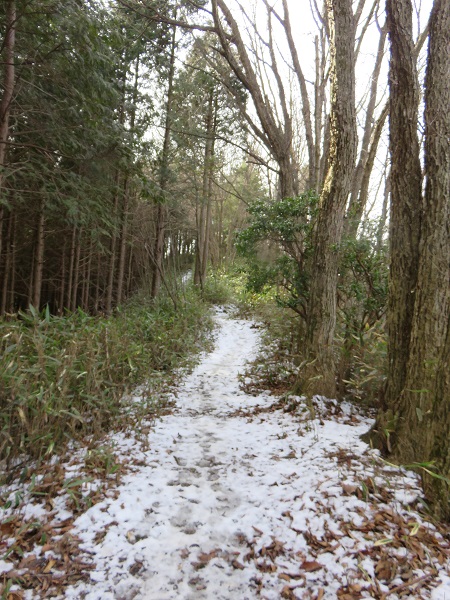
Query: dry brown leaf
x=310 y=565
x=7 y=529
x=266 y=567
x=207 y=556
x=287 y=593
x=15 y=596
x=385 y=569
x=49 y=566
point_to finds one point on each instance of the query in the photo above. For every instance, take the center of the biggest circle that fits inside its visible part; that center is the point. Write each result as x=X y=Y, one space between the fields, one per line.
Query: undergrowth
x=62 y=378
x=361 y=364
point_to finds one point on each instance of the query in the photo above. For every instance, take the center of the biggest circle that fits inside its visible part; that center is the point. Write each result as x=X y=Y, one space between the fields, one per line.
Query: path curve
x=224 y=506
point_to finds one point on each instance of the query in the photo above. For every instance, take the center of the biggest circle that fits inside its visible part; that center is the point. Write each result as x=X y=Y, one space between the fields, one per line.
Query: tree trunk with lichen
x=318 y=376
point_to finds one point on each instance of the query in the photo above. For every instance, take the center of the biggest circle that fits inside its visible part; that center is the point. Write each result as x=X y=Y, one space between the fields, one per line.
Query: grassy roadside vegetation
x=64 y=378
x=277 y=366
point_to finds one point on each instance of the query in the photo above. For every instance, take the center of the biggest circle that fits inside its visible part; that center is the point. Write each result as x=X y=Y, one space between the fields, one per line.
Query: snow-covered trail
x=224 y=506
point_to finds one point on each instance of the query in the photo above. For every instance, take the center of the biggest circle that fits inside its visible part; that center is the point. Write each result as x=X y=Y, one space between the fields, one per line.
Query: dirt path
x=227 y=506
x=226 y=498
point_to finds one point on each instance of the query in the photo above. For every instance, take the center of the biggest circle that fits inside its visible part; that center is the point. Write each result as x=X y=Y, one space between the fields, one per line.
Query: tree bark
x=76 y=272
x=275 y=135
x=358 y=202
x=319 y=374
x=88 y=278
x=422 y=411
x=123 y=241
x=306 y=107
x=62 y=284
x=369 y=145
x=384 y=210
x=71 y=267
x=8 y=91
x=130 y=271
x=414 y=423
x=202 y=235
x=113 y=249
x=319 y=103
x=126 y=196
x=8 y=83
x=161 y=214
x=12 y=283
x=8 y=262
x=38 y=258
x=406 y=193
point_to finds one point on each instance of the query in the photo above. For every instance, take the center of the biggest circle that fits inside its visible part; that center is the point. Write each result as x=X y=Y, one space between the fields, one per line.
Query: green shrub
x=219 y=288
x=62 y=378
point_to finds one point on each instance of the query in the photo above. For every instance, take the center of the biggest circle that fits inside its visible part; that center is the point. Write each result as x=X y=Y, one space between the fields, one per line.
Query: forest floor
x=230 y=495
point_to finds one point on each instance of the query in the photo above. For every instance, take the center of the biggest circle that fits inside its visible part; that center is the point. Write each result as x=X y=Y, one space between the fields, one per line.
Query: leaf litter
x=234 y=493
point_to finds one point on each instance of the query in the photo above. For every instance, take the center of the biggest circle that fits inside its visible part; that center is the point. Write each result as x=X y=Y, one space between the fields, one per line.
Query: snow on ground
x=232 y=499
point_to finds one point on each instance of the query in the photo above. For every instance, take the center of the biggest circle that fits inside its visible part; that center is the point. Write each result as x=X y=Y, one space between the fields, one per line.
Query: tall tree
x=8 y=80
x=414 y=425
x=276 y=132
x=318 y=377
x=7 y=95
x=161 y=213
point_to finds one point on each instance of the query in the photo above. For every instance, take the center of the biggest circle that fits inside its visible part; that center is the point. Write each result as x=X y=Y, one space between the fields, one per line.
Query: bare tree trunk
x=84 y=262
x=130 y=271
x=406 y=193
x=62 y=285
x=275 y=134
x=2 y=215
x=8 y=83
x=358 y=197
x=325 y=159
x=161 y=216
x=8 y=90
x=117 y=182
x=207 y=240
x=71 y=267
x=220 y=235
x=383 y=216
x=113 y=251
x=319 y=103
x=88 y=278
x=200 y=266
x=38 y=258
x=7 y=268
x=421 y=411
x=358 y=201
x=76 y=272
x=126 y=196
x=97 y=284
x=123 y=241
x=319 y=375
x=12 y=285
x=306 y=108
x=199 y=244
